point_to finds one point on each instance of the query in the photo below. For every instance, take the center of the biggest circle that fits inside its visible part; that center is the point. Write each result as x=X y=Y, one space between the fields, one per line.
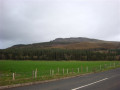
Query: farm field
x=30 y=71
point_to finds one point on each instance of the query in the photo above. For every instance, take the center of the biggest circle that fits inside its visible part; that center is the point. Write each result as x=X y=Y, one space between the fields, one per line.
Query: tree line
x=60 y=54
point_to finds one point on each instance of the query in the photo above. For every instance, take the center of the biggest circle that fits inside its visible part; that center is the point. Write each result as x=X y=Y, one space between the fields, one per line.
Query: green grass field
x=24 y=69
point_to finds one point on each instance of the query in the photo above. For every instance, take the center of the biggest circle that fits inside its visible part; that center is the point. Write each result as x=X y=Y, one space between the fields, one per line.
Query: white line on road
x=89 y=84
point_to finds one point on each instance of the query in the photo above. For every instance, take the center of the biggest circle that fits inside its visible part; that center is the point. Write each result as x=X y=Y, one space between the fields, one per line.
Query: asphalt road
x=108 y=80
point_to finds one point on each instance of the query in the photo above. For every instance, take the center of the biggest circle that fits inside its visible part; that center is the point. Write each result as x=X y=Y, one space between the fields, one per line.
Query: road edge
x=39 y=82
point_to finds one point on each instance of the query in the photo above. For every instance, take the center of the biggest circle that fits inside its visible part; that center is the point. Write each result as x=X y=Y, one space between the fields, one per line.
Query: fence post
x=13 y=76
x=87 y=69
x=67 y=70
x=52 y=72
x=36 y=73
x=63 y=71
x=78 y=70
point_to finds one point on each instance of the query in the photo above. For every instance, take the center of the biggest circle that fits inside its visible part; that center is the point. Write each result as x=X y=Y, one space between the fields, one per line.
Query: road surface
x=108 y=80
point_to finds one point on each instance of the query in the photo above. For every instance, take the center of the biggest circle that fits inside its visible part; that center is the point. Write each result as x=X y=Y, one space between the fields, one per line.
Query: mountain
x=73 y=43
x=64 y=49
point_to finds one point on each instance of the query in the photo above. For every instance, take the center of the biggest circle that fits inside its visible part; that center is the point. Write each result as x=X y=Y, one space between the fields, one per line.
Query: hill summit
x=76 y=39
x=72 y=43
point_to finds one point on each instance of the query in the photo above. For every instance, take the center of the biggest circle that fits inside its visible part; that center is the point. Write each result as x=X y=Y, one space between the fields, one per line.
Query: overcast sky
x=33 y=21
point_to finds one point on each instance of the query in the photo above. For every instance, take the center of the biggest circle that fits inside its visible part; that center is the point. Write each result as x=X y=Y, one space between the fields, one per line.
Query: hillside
x=89 y=45
x=72 y=43
x=64 y=49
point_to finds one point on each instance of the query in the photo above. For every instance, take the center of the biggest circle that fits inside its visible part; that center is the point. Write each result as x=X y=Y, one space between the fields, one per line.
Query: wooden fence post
x=50 y=72
x=87 y=69
x=67 y=70
x=13 y=76
x=78 y=70
x=36 y=73
x=63 y=71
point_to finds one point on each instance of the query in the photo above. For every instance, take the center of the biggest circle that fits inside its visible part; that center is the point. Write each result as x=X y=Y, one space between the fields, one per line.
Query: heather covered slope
x=73 y=43
x=89 y=45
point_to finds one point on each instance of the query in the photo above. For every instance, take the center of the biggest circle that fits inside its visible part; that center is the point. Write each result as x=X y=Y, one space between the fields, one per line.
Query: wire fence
x=38 y=75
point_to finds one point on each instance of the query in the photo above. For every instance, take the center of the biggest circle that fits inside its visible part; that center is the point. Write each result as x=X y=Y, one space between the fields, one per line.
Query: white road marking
x=89 y=84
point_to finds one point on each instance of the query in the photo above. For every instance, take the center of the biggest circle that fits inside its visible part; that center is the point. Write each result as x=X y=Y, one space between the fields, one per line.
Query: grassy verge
x=31 y=71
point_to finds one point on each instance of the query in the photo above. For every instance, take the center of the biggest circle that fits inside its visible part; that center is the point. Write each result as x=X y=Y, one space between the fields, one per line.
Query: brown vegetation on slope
x=89 y=45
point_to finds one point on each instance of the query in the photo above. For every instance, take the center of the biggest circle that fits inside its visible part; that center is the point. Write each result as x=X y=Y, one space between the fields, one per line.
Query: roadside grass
x=47 y=70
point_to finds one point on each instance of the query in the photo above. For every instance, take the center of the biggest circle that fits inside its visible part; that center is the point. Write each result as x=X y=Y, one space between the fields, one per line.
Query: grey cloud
x=32 y=21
